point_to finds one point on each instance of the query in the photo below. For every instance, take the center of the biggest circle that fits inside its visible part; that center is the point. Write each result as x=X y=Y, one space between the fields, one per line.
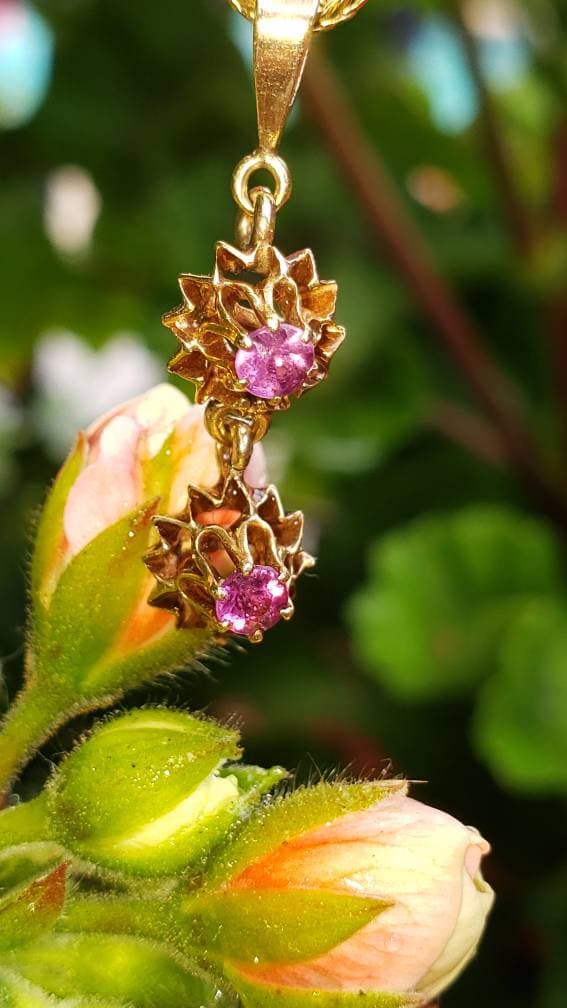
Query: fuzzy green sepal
x=287 y=816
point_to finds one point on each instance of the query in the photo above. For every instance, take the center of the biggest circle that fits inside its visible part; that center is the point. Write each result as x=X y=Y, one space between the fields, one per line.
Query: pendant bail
x=282 y=33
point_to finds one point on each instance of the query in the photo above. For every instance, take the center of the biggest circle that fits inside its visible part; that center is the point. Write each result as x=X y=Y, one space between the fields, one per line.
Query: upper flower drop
x=260 y=329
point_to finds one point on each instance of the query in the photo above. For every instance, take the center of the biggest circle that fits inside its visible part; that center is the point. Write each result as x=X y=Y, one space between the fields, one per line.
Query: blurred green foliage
x=434 y=634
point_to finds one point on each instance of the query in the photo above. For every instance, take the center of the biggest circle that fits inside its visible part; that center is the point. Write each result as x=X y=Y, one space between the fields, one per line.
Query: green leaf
x=520 y=725
x=442 y=592
x=267 y=927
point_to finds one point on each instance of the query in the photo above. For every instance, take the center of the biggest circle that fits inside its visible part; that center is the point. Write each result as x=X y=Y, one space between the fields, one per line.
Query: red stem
x=367 y=178
x=515 y=216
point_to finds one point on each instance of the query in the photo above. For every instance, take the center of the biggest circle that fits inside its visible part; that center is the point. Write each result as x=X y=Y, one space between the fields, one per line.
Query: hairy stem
x=33 y=717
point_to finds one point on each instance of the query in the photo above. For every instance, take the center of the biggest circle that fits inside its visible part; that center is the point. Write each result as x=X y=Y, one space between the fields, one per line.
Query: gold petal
x=198 y=501
x=198 y=293
x=165 y=599
x=241 y=306
x=195 y=593
x=302 y=268
x=270 y=506
x=302 y=561
x=229 y=259
x=289 y=531
x=172 y=530
x=258 y=544
x=236 y=496
x=181 y=324
x=191 y=365
x=320 y=301
x=332 y=336
x=215 y=343
x=286 y=299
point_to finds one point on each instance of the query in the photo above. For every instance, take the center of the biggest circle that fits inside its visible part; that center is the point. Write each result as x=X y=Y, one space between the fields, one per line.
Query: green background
x=432 y=639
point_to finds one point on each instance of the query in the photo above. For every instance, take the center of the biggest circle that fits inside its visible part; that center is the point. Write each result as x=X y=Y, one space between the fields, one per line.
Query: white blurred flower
x=75 y=383
x=72 y=207
x=493 y=19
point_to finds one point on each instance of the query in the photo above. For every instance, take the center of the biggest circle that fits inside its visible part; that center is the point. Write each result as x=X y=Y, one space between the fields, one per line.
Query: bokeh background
x=429 y=154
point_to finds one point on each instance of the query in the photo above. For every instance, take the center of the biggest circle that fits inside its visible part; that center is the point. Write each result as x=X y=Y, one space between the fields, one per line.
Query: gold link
x=235 y=433
x=257 y=161
x=257 y=229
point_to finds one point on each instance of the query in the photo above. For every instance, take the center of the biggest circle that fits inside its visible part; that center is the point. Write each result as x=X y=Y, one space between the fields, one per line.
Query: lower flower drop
x=252 y=603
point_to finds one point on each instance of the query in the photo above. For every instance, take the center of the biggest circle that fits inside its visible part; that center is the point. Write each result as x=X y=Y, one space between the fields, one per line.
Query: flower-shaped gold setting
x=233 y=529
x=249 y=290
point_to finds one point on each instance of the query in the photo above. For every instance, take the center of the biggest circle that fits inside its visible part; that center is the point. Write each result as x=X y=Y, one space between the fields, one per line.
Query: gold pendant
x=255 y=335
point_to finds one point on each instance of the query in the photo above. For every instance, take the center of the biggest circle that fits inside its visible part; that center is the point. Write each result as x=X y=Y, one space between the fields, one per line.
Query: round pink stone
x=252 y=601
x=277 y=363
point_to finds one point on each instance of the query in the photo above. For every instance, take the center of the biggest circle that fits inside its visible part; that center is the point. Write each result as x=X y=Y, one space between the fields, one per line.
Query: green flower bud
x=108 y=969
x=146 y=793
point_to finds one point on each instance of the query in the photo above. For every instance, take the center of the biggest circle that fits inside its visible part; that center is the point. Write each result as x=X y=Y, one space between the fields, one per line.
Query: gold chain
x=331 y=12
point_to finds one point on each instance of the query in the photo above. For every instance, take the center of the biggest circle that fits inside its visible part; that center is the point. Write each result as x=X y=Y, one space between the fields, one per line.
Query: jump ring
x=257 y=161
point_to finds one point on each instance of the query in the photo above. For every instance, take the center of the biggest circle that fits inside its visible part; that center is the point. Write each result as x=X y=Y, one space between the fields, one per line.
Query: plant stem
x=34 y=715
x=556 y=308
x=25 y=823
x=367 y=177
x=470 y=430
x=514 y=212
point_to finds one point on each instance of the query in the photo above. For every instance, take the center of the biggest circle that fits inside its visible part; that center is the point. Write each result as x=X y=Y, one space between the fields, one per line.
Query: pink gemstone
x=277 y=363
x=252 y=601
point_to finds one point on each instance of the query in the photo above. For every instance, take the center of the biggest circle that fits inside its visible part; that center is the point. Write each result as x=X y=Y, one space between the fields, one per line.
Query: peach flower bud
x=385 y=901
x=152 y=446
x=94 y=634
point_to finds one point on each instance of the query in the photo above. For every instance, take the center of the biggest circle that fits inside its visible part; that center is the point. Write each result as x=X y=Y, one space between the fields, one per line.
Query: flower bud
x=89 y=585
x=343 y=891
x=94 y=970
x=94 y=634
x=148 y=793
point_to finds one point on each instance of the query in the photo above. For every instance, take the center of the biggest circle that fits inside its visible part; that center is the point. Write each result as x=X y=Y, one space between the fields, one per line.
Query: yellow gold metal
x=282 y=33
x=232 y=528
x=253 y=287
x=257 y=228
x=330 y=13
x=248 y=290
x=258 y=161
